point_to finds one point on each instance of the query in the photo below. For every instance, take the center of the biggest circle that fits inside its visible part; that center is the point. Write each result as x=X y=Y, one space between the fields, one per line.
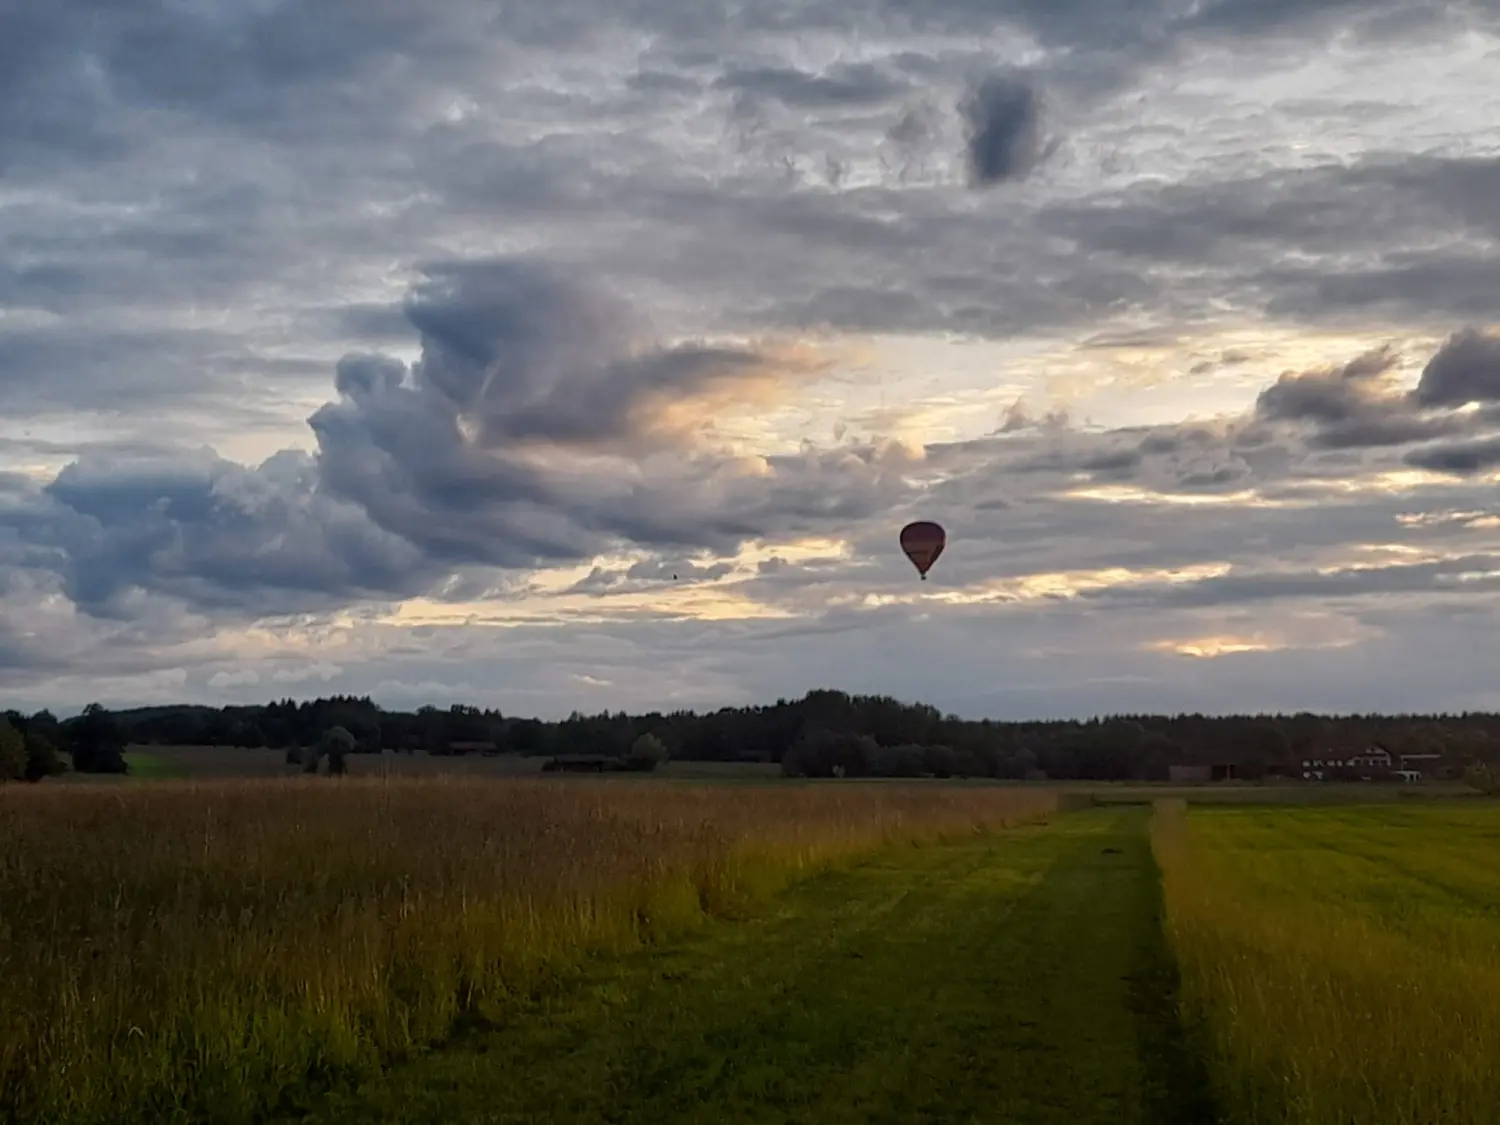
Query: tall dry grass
x=212 y=951
x=1340 y=966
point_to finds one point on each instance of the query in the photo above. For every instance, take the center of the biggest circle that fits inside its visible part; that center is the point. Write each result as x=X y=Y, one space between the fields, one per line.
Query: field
x=1341 y=964
x=206 y=763
x=223 y=762
x=179 y=950
x=506 y=949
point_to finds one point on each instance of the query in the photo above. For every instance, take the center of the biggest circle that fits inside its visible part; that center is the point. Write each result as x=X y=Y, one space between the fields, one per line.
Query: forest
x=825 y=733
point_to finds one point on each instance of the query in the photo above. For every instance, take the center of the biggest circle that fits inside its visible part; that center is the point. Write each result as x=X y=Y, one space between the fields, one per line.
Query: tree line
x=823 y=734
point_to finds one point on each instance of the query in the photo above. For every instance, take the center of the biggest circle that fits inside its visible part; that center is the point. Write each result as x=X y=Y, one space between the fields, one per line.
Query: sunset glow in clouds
x=413 y=348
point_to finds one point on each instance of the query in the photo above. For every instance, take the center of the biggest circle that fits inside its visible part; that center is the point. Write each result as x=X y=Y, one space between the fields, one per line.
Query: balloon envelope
x=923 y=542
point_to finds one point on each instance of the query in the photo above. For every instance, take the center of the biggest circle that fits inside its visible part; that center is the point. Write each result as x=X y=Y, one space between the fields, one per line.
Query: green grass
x=191 y=951
x=588 y=951
x=153 y=767
x=1018 y=977
x=1341 y=964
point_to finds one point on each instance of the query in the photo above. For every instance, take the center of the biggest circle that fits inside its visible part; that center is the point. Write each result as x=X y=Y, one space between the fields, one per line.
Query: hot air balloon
x=923 y=542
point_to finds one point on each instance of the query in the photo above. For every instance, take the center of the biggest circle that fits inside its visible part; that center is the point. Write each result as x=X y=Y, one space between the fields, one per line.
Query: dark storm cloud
x=1358 y=406
x=1462 y=459
x=1466 y=370
x=215 y=533
x=1004 y=130
x=1329 y=396
x=521 y=351
x=420 y=470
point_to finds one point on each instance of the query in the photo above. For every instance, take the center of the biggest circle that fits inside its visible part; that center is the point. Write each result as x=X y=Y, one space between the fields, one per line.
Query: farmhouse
x=1413 y=766
x=1374 y=759
x=1315 y=769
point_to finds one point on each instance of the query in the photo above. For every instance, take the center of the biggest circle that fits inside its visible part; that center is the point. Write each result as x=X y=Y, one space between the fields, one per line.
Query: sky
x=591 y=355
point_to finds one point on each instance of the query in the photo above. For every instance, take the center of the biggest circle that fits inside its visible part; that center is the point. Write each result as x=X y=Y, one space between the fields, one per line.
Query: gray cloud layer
x=210 y=214
x=527 y=433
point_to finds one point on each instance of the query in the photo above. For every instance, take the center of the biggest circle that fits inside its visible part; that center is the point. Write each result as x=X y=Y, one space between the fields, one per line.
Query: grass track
x=1016 y=978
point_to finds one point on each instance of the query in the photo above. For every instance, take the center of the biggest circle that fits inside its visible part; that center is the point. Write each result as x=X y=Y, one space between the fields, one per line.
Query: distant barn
x=486 y=748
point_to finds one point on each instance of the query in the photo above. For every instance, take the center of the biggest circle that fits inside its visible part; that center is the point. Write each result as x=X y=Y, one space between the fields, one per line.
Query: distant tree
x=1484 y=777
x=820 y=752
x=294 y=755
x=646 y=753
x=12 y=753
x=310 y=756
x=96 y=741
x=337 y=743
x=42 y=758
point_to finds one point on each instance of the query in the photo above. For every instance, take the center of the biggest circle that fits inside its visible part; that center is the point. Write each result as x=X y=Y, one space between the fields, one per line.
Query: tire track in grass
x=1012 y=978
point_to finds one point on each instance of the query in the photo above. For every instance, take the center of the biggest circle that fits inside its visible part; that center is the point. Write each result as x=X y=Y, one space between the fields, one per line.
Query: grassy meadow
x=1340 y=964
x=1009 y=977
x=221 y=763
x=187 y=950
x=477 y=947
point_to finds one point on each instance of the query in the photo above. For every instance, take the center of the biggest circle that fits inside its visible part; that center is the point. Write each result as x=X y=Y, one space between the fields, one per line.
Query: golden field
x=1340 y=964
x=185 y=950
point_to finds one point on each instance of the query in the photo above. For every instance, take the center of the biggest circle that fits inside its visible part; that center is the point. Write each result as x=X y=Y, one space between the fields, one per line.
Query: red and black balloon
x=923 y=542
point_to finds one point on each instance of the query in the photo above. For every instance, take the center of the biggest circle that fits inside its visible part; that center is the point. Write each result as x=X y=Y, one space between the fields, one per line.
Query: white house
x=1372 y=757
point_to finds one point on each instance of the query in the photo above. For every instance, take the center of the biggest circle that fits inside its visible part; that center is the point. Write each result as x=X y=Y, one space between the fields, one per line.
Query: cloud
x=1360 y=404
x=855 y=84
x=536 y=427
x=321 y=326
x=216 y=534
x=1462 y=459
x=1004 y=142
x=1466 y=370
x=1330 y=396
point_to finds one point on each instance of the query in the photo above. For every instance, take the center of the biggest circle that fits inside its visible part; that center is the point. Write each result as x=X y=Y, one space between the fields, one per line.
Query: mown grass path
x=1015 y=978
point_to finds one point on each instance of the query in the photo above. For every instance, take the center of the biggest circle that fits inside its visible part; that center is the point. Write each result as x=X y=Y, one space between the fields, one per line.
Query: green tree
x=646 y=753
x=1483 y=777
x=97 y=743
x=12 y=752
x=42 y=758
x=337 y=743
